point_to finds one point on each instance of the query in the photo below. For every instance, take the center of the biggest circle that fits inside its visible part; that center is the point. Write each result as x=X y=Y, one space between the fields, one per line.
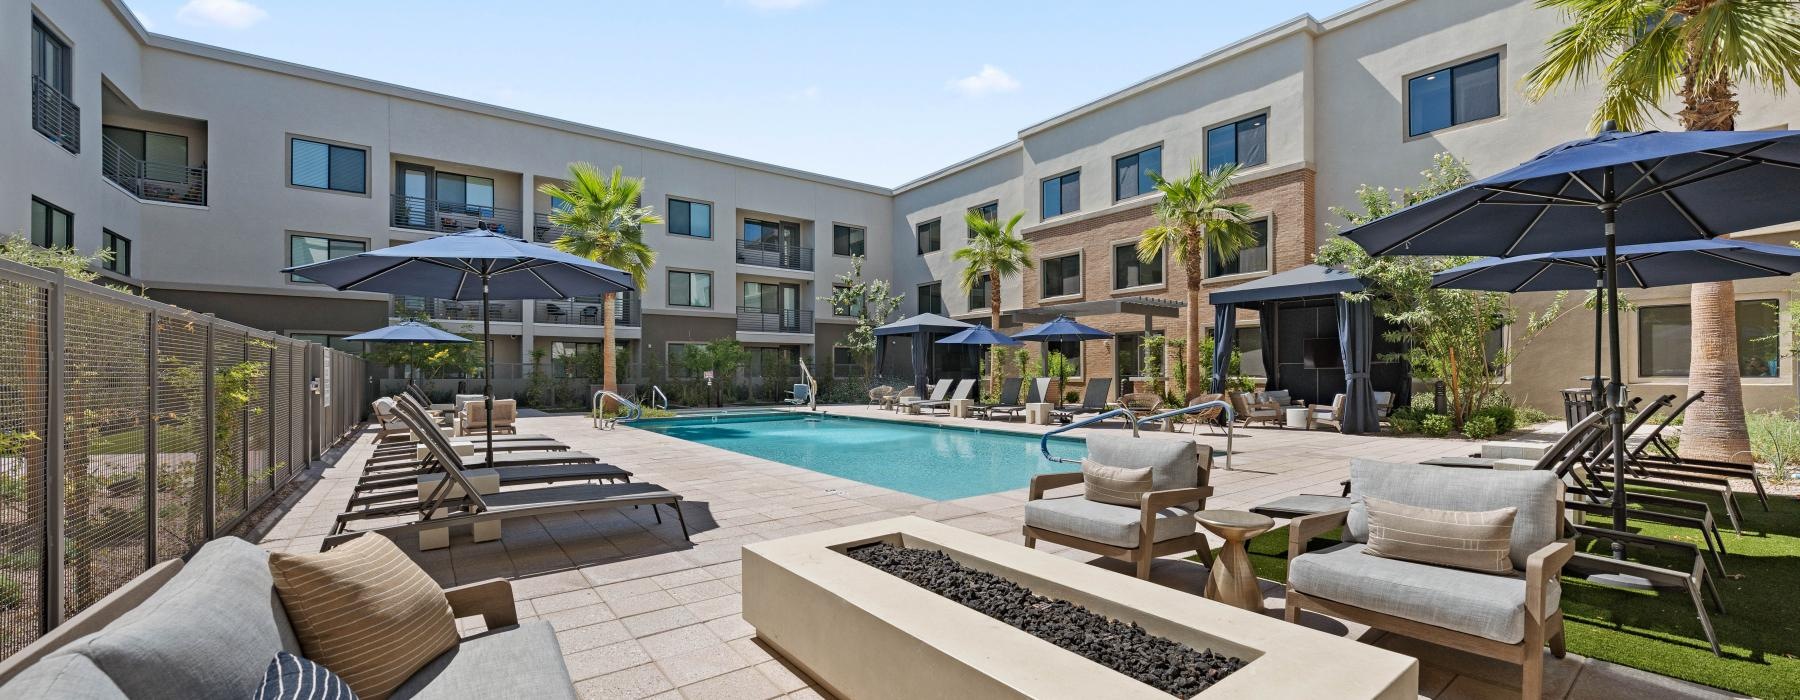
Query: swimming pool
x=936 y=462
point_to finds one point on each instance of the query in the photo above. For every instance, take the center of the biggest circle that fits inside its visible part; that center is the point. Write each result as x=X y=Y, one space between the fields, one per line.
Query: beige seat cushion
x=1123 y=486
x=365 y=611
x=1473 y=540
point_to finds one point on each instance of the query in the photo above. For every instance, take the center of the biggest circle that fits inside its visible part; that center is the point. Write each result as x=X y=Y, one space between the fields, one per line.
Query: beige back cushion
x=1121 y=486
x=365 y=611
x=1473 y=540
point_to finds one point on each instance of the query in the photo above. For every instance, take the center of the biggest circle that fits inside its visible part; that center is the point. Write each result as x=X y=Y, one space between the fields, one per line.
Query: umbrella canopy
x=1061 y=328
x=453 y=266
x=921 y=323
x=1615 y=189
x=409 y=332
x=979 y=335
x=1662 y=186
x=1642 y=266
x=474 y=264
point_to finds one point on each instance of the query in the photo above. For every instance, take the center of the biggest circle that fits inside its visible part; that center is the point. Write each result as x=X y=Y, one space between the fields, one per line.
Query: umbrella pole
x=1597 y=400
x=487 y=373
x=1616 y=387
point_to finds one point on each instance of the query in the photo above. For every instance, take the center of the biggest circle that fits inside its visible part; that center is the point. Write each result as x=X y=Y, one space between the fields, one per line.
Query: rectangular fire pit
x=864 y=633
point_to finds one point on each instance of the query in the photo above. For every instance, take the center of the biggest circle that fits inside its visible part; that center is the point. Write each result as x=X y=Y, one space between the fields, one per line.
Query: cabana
x=1315 y=344
x=930 y=360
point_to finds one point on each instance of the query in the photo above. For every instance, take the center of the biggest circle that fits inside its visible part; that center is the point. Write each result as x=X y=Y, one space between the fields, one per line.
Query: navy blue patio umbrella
x=1641 y=266
x=469 y=265
x=1058 y=330
x=409 y=332
x=1616 y=188
x=979 y=335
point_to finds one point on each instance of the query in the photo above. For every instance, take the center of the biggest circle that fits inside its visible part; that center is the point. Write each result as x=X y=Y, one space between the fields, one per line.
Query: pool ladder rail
x=631 y=411
x=1132 y=420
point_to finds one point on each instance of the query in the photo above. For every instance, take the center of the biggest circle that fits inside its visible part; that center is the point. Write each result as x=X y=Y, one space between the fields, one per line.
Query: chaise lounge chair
x=963 y=388
x=1093 y=400
x=1035 y=393
x=938 y=392
x=1009 y=397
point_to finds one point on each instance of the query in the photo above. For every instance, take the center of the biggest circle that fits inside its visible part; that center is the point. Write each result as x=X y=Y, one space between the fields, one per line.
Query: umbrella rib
x=1460 y=277
x=1541 y=270
x=1745 y=263
x=1644 y=174
x=1741 y=160
x=1673 y=202
x=1585 y=186
x=359 y=281
x=1759 y=160
x=1554 y=198
x=1447 y=217
x=1526 y=231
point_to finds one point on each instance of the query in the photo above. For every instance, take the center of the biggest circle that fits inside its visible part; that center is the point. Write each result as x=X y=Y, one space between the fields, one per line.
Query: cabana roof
x=921 y=323
x=1298 y=283
x=1136 y=306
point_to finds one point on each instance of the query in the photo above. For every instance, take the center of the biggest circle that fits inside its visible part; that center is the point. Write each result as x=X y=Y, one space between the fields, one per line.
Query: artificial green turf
x=1657 y=631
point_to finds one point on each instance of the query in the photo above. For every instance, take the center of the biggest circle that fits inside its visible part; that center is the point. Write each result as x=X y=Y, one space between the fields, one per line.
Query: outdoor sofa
x=207 y=628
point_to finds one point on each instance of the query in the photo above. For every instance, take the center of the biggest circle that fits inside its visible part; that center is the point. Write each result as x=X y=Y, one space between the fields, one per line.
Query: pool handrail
x=656 y=395
x=1044 y=440
x=632 y=410
x=1230 y=418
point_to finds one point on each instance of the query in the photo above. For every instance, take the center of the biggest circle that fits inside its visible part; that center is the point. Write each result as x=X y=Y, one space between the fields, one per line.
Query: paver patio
x=640 y=613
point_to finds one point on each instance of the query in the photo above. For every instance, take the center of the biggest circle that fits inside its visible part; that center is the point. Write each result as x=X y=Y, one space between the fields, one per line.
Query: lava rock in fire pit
x=1167 y=665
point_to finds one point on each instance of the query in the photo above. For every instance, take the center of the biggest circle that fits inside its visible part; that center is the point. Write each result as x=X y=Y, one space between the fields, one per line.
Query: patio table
x=1232 y=580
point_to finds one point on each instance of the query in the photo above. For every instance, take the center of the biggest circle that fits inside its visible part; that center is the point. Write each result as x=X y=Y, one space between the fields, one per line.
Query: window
x=1129 y=271
x=1452 y=96
x=1070 y=349
x=165 y=156
x=771 y=234
x=1062 y=275
x=1062 y=195
x=690 y=288
x=1664 y=334
x=327 y=167
x=120 y=248
x=1129 y=348
x=1131 y=174
x=848 y=240
x=1252 y=259
x=854 y=308
x=690 y=218
x=49 y=58
x=978 y=294
x=989 y=211
x=1243 y=143
x=471 y=194
x=930 y=236
x=306 y=250
x=931 y=298
x=335 y=342
x=51 y=226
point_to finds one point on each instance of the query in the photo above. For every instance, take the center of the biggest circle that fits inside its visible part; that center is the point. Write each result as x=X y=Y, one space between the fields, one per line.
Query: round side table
x=1232 y=580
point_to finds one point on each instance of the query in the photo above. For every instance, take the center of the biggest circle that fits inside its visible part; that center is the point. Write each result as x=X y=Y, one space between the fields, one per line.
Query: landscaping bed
x=1166 y=665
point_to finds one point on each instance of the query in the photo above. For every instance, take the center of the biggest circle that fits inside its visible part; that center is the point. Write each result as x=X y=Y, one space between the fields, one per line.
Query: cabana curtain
x=1224 y=321
x=1271 y=343
x=1356 y=322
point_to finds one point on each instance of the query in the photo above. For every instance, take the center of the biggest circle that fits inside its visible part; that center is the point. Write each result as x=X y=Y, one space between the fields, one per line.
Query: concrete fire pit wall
x=863 y=633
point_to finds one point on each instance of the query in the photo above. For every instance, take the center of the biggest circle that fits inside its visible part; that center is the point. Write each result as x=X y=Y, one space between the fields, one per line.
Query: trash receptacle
x=1578 y=402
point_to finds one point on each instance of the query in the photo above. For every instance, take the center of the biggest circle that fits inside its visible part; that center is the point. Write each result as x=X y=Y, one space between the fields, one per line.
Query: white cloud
x=778 y=5
x=990 y=79
x=230 y=14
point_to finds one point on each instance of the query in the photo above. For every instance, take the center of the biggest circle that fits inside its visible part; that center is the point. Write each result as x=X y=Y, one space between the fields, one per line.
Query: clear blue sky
x=880 y=92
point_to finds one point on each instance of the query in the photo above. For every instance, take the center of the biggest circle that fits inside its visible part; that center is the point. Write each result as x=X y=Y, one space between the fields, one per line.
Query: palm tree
x=994 y=251
x=1644 y=53
x=1192 y=217
x=605 y=221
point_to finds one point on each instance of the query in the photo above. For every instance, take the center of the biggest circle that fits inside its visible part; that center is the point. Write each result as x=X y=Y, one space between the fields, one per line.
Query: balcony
x=543 y=231
x=152 y=181
x=449 y=217
x=781 y=255
x=757 y=320
x=585 y=311
x=54 y=115
x=450 y=310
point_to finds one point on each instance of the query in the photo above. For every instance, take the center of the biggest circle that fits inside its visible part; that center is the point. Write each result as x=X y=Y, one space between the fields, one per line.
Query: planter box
x=863 y=633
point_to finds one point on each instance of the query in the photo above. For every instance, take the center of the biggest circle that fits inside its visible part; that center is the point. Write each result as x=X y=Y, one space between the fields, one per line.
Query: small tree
x=1178 y=365
x=721 y=357
x=871 y=302
x=1154 y=346
x=1061 y=368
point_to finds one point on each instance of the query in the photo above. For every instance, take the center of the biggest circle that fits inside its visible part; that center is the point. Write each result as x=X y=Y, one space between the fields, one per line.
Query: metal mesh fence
x=131 y=432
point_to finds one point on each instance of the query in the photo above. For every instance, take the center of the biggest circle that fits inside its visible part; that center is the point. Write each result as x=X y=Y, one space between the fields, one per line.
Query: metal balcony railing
x=451 y=310
x=787 y=257
x=585 y=311
x=543 y=231
x=54 y=115
x=148 y=180
x=450 y=217
x=756 y=319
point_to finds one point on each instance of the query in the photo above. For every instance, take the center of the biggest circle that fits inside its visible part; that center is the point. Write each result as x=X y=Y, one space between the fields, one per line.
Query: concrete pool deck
x=640 y=613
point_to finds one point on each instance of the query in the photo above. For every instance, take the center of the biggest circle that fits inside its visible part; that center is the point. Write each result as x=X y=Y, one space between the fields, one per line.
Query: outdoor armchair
x=878 y=396
x=1254 y=409
x=1161 y=523
x=1332 y=415
x=1509 y=617
x=1208 y=417
x=506 y=413
x=893 y=401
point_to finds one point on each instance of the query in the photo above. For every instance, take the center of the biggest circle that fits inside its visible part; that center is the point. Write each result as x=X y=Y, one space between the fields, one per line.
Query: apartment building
x=205 y=171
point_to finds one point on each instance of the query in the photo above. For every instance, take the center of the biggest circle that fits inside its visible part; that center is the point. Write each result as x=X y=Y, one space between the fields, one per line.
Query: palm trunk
x=1192 y=351
x=609 y=374
x=1715 y=426
x=996 y=371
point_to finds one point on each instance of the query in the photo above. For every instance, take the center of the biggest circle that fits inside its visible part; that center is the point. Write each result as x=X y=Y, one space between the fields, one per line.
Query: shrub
x=1071 y=396
x=1504 y=419
x=11 y=593
x=1526 y=415
x=1480 y=427
x=1775 y=439
x=1424 y=402
x=1403 y=426
x=1435 y=425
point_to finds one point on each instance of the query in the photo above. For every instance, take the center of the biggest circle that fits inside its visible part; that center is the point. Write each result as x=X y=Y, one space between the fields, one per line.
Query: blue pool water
x=930 y=461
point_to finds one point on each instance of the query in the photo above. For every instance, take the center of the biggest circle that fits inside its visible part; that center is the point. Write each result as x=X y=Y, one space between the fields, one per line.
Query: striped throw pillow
x=365 y=611
x=292 y=678
x=1121 y=486
x=1473 y=540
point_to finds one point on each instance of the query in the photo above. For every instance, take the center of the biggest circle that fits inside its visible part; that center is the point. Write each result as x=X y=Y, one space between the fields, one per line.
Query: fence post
x=209 y=475
x=54 y=507
x=270 y=452
x=150 y=449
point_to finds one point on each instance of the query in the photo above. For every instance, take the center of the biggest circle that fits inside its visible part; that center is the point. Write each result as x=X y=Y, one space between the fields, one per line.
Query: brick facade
x=1286 y=198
